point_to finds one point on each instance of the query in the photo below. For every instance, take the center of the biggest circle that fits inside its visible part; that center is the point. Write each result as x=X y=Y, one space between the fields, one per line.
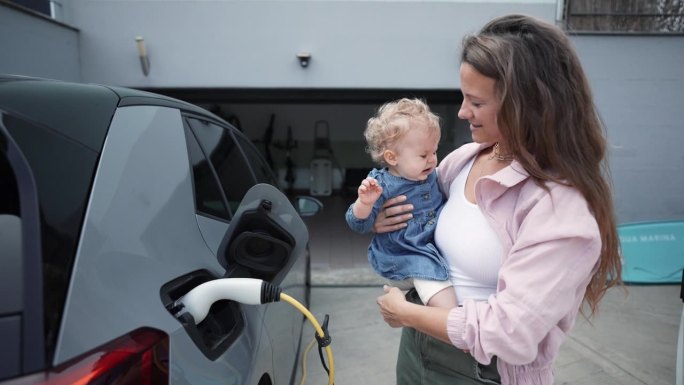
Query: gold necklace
x=496 y=154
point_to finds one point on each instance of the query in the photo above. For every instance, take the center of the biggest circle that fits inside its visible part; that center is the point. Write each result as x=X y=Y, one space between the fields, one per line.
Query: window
x=234 y=174
x=641 y=16
x=42 y=6
x=9 y=195
x=10 y=241
x=12 y=273
x=63 y=170
x=209 y=198
x=261 y=170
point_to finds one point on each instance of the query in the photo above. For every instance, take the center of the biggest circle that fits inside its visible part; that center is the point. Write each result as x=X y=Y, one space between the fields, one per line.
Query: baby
x=403 y=137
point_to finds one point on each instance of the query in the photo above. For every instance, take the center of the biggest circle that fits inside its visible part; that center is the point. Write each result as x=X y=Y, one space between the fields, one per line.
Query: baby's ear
x=390 y=157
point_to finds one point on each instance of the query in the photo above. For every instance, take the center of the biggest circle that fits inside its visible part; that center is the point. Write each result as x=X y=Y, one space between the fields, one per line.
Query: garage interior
x=310 y=124
x=296 y=128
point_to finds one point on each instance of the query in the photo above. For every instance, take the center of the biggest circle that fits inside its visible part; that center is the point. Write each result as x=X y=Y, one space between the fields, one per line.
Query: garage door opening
x=294 y=128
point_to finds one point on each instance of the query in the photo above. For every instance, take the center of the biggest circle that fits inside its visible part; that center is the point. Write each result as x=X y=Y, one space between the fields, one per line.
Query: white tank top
x=468 y=243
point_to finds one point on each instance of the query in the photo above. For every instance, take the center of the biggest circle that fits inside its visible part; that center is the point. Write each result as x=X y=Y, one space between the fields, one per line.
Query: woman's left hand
x=398 y=312
x=390 y=306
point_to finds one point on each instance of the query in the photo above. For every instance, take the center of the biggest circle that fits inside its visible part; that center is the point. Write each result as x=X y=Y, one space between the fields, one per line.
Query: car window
x=63 y=170
x=21 y=266
x=259 y=166
x=11 y=272
x=209 y=198
x=9 y=196
x=10 y=242
x=232 y=170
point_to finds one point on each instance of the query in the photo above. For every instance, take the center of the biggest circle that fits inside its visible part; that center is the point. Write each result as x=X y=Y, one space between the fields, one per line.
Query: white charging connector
x=249 y=291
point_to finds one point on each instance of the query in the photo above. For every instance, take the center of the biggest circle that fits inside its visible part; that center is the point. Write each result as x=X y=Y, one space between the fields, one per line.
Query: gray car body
x=141 y=230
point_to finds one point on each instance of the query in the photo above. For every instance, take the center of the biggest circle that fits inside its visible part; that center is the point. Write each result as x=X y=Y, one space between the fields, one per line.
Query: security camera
x=304 y=59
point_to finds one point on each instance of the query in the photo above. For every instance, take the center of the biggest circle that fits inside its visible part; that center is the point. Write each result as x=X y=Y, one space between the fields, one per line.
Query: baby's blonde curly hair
x=392 y=122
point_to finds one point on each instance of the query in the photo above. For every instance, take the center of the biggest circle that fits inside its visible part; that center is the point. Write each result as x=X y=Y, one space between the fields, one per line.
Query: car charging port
x=222 y=325
x=196 y=304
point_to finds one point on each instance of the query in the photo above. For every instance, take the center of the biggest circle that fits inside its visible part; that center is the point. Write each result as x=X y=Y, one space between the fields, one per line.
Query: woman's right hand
x=393 y=215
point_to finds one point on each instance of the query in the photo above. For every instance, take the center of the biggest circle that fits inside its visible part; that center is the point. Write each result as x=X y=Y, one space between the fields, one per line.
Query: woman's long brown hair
x=549 y=121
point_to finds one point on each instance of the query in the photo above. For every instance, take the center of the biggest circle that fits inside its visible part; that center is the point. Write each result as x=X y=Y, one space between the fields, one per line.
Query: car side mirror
x=307 y=206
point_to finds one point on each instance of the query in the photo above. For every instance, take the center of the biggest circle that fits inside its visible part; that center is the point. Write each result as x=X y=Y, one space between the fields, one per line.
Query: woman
x=528 y=227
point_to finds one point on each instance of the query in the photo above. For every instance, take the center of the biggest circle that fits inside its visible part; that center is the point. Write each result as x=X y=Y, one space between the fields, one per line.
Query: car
x=114 y=204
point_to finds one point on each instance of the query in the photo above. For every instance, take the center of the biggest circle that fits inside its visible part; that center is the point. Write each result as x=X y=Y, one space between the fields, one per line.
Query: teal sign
x=652 y=252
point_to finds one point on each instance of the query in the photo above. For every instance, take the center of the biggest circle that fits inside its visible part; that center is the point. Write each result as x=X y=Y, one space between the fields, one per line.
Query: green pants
x=424 y=360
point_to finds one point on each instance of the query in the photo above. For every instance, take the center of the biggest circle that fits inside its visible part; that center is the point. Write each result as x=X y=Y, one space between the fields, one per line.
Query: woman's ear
x=390 y=157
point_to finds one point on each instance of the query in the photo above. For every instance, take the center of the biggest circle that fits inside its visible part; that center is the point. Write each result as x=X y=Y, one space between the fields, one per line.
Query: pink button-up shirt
x=551 y=245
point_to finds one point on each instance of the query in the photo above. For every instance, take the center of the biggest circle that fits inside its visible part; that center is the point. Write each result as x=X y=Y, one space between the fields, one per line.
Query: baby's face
x=416 y=154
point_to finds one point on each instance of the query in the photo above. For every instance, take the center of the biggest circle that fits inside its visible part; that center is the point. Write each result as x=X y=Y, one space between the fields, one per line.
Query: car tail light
x=139 y=357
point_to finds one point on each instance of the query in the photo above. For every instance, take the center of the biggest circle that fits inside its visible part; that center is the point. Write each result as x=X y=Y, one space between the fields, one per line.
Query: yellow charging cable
x=319 y=330
x=304 y=358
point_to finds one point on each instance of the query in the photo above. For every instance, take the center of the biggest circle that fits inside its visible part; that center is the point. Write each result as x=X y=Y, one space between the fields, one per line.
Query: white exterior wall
x=638 y=81
x=36 y=46
x=638 y=84
x=354 y=44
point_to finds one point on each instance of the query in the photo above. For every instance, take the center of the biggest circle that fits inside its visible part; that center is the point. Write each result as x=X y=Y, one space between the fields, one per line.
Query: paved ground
x=631 y=342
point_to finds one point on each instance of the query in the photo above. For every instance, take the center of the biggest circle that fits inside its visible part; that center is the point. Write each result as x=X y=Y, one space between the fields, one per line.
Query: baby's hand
x=369 y=191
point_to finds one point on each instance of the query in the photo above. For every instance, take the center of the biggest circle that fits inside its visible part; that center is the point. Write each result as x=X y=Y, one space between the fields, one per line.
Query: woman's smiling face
x=480 y=105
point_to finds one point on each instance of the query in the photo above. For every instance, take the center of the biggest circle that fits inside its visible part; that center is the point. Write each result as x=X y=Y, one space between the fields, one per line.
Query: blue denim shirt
x=411 y=251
